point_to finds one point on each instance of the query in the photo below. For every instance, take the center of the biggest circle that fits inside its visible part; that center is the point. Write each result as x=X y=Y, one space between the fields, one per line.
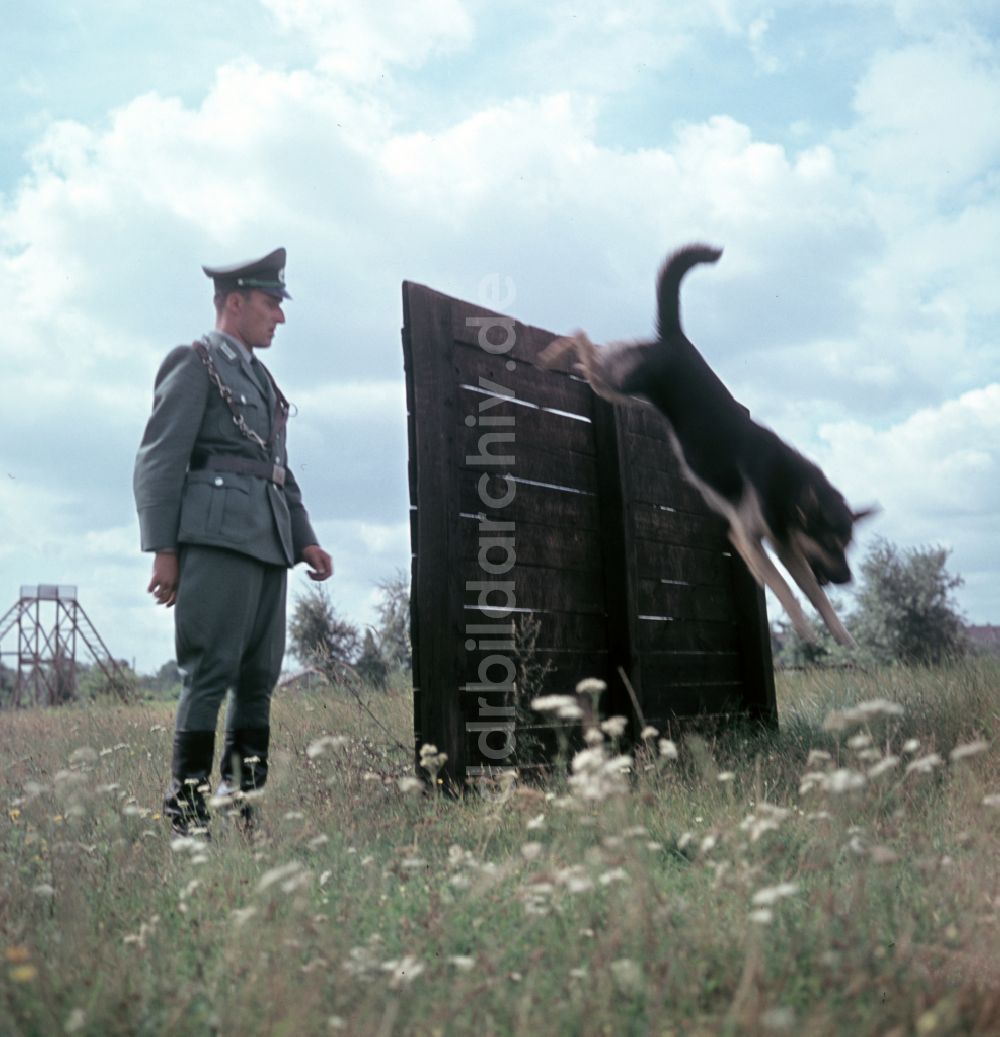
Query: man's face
x=258 y=315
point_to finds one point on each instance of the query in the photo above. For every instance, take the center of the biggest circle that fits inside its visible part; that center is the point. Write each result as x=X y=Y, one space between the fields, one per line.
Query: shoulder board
x=227 y=351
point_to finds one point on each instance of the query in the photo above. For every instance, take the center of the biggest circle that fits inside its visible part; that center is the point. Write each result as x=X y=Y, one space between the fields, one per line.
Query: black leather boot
x=191 y=771
x=244 y=768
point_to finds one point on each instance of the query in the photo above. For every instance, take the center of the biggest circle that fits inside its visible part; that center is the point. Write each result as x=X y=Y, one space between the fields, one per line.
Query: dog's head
x=824 y=531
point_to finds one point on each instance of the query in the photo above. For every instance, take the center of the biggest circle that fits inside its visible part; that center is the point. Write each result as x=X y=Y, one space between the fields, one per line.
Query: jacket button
x=218 y=480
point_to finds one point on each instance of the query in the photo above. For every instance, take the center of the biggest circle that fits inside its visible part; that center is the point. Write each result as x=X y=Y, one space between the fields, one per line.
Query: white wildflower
x=883 y=766
x=862 y=713
x=817 y=757
x=283 y=873
x=531 y=851
x=668 y=750
x=536 y=822
x=591 y=686
x=648 y=733
x=553 y=703
x=762 y=916
x=321 y=745
x=962 y=752
x=992 y=800
x=613 y=875
x=462 y=962
x=43 y=889
x=242 y=915
x=408 y=784
x=614 y=727
x=844 y=780
x=75 y=1021
x=911 y=745
x=628 y=976
x=924 y=764
x=724 y=776
x=770 y=895
x=403 y=972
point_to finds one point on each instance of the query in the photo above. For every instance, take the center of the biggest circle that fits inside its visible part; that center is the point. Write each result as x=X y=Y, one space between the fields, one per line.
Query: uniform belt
x=244 y=465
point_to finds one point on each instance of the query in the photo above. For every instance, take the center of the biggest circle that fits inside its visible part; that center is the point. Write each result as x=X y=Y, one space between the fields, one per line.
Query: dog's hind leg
x=798 y=569
x=766 y=572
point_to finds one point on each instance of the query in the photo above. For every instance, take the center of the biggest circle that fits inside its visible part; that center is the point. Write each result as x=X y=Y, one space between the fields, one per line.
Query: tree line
x=904 y=612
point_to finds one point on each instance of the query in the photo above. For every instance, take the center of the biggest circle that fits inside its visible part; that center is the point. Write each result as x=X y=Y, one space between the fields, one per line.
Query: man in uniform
x=223 y=513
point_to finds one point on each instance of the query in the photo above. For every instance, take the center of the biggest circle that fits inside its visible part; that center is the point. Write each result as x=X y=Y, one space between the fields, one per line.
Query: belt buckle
x=278 y=475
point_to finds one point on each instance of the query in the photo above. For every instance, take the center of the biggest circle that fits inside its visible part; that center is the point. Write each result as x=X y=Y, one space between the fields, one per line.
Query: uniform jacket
x=181 y=502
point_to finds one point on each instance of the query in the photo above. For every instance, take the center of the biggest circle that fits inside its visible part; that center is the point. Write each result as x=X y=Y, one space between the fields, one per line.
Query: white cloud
x=358 y=41
x=926 y=122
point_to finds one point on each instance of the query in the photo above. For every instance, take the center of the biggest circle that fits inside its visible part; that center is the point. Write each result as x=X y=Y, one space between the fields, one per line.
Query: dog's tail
x=668 y=285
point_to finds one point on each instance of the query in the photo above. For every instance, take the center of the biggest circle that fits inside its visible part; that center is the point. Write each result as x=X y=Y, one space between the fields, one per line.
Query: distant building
x=984 y=638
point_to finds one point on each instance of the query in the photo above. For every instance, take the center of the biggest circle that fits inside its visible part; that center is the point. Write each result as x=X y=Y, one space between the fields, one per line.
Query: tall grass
x=838 y=879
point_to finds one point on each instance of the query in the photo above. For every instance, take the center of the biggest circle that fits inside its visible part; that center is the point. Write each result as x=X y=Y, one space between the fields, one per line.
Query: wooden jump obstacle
x=538 y=507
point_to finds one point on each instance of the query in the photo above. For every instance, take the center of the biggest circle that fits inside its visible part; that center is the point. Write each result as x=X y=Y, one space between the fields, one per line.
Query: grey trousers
x=229 y=626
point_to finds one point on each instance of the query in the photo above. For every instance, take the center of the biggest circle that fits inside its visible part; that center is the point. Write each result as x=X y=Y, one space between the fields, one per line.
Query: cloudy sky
x=844 y=152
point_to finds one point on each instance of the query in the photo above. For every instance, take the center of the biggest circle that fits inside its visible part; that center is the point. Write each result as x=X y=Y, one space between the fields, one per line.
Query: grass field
x=837 y=879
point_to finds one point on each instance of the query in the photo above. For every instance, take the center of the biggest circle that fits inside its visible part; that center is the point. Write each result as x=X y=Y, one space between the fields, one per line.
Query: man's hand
x=163 y=585
x=319 y=562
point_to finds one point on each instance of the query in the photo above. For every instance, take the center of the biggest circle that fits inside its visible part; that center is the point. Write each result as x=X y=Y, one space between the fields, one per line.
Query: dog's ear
x=857 y=516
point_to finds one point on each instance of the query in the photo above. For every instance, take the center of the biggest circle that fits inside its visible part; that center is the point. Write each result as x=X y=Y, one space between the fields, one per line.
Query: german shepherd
x=763 y=488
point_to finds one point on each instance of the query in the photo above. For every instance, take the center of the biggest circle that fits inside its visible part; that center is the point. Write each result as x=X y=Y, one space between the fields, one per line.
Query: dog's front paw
x=553 y=353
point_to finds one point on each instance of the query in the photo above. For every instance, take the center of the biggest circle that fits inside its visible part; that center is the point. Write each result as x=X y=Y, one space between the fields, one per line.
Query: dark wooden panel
x=691 y=700
x=531 y=384
x=643 y=418
x=688 y=635
x=605 y=529
x=539 y=427
x=479 y=452
x=474 y=325
x=432 y=398
x=562 y=547
x=685 y=601
x=563 y=630
x=683 y=564
x=676 y=526
x=546 y=505
x=654 y=486
x=665 y=669
x=540 y=588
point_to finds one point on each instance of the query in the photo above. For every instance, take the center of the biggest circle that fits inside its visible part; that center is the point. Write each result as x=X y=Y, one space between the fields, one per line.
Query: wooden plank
x=684 y=700
x=557 y=630
x=620 y=573
x=683 y=564
x=685 y=601
x=547 y=505
x=479 y=452
x=433 y=402
x=543 y=428
x=525 y=382
x=488 y=330
x=654 y=486
x=676 y=526
x=535 y=588
x=688 y=635
x=666 y=669
x=562 y=547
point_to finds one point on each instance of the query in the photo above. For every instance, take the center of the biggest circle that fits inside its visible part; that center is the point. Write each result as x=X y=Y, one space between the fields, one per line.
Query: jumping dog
x=762 y=487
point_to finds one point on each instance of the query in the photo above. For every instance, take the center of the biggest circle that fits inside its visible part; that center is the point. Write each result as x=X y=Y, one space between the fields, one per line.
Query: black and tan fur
x=763 y=488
